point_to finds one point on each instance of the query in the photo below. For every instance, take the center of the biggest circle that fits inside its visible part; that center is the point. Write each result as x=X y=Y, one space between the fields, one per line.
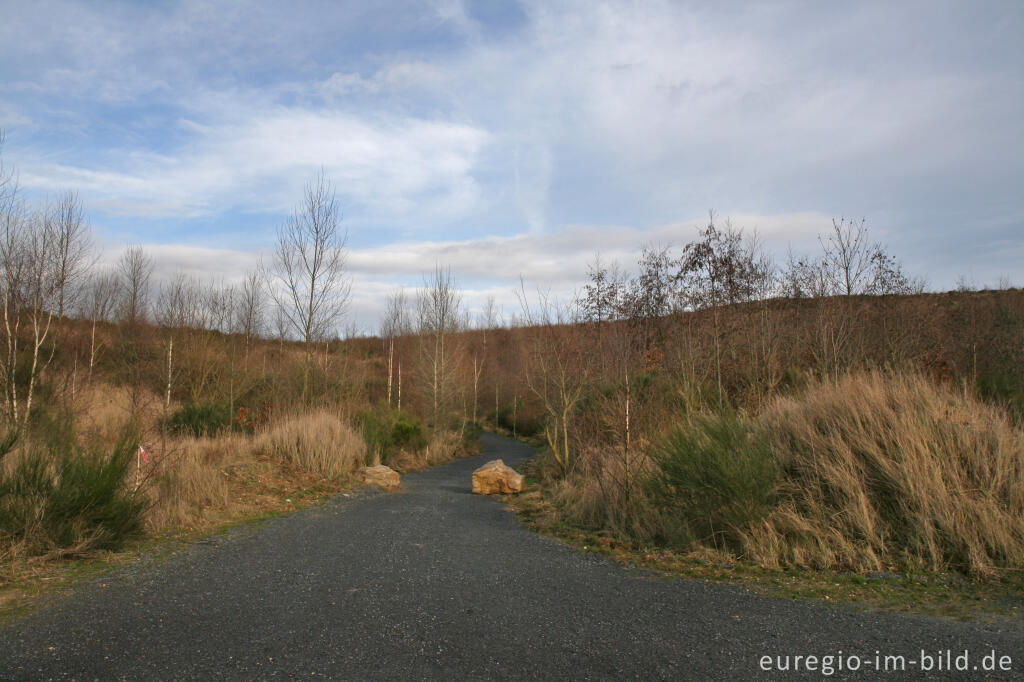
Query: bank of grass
x=947 y=595
x=878 y=488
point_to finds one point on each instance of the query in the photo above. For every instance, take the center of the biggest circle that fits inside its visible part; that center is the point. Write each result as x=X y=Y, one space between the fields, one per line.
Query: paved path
x=434 y=582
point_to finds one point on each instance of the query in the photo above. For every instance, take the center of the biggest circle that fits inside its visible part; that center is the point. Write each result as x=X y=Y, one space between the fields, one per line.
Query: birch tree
x=438 y=306
x=310 y=283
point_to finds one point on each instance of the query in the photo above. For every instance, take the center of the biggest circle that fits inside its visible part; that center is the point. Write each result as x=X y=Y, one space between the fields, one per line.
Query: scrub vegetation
x=821 y=414
x=824 y=414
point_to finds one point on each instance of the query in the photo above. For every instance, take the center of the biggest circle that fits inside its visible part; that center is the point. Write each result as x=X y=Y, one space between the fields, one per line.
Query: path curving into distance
x=434 y=582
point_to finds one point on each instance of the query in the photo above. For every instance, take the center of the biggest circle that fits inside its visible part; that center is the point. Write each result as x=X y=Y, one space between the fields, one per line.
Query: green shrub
x=388 y=431
x=472 y=432
x=197 y=420
x=407 y=432
x=714 y=477
x=1006 y=389
x=64 y=500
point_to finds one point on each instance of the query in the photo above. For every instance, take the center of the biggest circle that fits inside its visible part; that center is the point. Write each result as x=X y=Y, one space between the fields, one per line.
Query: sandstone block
x=496 y=477
x=382 y=476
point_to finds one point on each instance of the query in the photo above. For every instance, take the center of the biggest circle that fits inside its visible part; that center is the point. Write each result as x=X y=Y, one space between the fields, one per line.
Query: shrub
x=407 y=432
x=608 y=488
x=388 y=432
x=715 y=476
x=62 y=500
x=198 y=420
x=519 y=421
x=1005 y=388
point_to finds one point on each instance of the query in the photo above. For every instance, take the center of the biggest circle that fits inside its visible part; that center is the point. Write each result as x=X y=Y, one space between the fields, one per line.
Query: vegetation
x=61 y=501
x=139 y=406
x=821 y=414
x=713 y=478
x=825 y=415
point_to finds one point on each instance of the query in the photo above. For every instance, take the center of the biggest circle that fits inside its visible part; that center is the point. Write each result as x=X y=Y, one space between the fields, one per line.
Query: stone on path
x=382 y=476
x=496 y=478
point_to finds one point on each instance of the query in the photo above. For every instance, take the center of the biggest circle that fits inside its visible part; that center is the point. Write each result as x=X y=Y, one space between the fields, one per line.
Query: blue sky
x=520 y=138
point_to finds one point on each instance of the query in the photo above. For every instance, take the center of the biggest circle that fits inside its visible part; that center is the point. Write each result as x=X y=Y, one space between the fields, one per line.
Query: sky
x=514 y=140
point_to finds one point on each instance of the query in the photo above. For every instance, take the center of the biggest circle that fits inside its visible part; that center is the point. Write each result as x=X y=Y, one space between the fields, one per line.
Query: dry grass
x=873 y=472
x=320 y=443
x=189 y=484
x=888 y=472
x=102 y=410
x=204 y=481
x=441 y=447
x=607 y=490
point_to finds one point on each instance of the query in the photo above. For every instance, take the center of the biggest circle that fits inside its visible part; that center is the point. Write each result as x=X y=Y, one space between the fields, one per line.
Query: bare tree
x=179 y=303
x=30 y=293
x=311 y=286
x=36 y=250
x=490 y=316
x=558 y=369
x=251 y=304
x=648 y=299
x=100 y=300
x=73 y=247
x=850 y=265
x=804 y=277
x=438 y=309
x=603 y=297
x=135 y=269
x=718 y=269
x=395 y=325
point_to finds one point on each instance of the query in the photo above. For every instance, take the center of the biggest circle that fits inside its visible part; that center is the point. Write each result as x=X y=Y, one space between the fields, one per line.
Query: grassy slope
x=946 y=595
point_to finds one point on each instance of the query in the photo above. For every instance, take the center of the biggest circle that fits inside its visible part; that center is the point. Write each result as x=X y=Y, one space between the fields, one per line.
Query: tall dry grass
x=893 y=472
x=608 y=489
x=188 y=485
x=318 y=442
x=191 y=483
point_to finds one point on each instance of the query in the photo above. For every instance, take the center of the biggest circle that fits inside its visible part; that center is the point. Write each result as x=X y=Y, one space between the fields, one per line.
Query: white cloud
x=396 y=168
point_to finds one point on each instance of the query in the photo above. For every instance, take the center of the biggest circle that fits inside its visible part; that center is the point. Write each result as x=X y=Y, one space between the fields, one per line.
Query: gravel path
x=434 y=582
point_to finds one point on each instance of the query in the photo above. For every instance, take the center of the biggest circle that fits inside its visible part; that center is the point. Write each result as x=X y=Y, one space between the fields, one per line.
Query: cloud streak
x=389 y=168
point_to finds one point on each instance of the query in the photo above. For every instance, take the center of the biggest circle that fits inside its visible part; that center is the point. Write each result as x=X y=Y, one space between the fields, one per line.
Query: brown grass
x=320 y=443
x=442 y=447
x=893 y=472
x=871 y=472
x=204 y=481
x=189 y=484
x=606 y=490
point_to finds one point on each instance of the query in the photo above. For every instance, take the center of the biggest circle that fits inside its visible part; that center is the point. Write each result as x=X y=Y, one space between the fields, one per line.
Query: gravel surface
x=434 y=582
